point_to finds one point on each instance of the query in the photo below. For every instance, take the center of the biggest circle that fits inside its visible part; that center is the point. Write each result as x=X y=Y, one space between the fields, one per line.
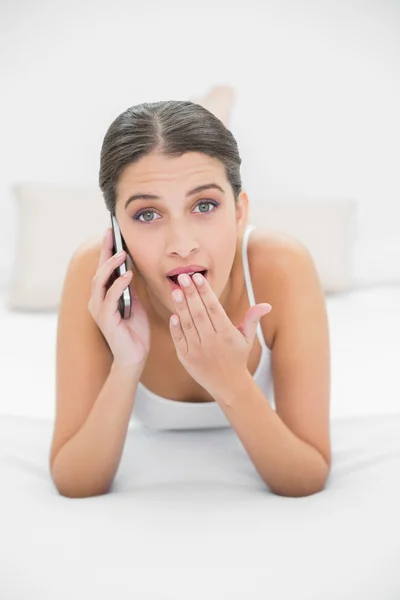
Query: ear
x=242 y=210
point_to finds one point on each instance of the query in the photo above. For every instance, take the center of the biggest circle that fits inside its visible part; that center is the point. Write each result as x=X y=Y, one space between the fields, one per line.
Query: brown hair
x=171 y=128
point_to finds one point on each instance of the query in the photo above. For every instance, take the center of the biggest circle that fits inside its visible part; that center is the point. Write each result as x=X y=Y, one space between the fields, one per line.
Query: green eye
x=147 y=212
x=204 y=204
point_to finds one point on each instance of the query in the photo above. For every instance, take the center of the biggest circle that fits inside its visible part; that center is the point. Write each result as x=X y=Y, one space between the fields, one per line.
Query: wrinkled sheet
x=189 y=517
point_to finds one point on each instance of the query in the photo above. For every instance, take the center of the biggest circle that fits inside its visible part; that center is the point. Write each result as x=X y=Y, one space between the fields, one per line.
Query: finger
x=185 y=318
x=178 y=336
x=105 y=277
x=107 y=248
x=196 y=308
x=116 y=291
x=217 y=316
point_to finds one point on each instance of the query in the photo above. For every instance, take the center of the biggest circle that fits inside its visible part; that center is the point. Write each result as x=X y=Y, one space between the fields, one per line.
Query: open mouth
x=174 y=278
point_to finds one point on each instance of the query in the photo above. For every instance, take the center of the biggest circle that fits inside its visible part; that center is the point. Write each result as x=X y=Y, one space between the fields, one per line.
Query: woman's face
x=180 y=227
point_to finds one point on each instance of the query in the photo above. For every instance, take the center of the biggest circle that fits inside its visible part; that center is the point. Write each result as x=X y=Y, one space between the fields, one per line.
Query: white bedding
x=188 y=516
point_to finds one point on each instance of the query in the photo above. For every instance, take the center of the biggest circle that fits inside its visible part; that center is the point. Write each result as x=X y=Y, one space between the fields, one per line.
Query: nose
x=181 y=243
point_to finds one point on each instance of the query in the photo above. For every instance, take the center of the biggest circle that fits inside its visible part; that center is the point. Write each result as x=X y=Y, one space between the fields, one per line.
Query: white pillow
x=327 y=227
x=54 y=219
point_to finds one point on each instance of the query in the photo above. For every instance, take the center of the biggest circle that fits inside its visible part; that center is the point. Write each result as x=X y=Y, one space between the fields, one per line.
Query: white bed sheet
x=188 y=516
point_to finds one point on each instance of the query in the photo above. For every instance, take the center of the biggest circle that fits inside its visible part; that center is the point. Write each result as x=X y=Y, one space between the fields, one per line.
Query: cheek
x=225 y=244
x=138 y=259
x=147 y=264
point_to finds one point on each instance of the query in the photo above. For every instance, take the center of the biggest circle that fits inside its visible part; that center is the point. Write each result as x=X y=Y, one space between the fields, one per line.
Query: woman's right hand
x=128 y=339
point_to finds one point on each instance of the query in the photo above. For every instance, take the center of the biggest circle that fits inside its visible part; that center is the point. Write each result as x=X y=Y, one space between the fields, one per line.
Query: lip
x=188 y=269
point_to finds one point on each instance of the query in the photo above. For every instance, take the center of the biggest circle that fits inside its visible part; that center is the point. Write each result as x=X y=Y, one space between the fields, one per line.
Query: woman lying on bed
x=170 y=173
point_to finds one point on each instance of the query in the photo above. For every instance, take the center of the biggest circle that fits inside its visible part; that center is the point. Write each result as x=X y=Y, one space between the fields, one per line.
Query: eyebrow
x=195 y=190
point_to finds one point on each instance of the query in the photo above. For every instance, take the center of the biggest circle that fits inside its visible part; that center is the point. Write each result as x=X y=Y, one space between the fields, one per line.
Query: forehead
x=157 y=170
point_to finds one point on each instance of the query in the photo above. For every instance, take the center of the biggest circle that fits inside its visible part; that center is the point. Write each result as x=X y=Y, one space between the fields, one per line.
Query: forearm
x=287 y=464
x=86 y=465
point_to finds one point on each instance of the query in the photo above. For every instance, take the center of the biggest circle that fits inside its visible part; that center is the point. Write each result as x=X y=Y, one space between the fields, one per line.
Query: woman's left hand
x=213 y=351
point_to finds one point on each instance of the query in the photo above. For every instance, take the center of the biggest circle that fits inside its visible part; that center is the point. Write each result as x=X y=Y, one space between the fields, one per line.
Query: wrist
x=128 y=370
x=236 y=388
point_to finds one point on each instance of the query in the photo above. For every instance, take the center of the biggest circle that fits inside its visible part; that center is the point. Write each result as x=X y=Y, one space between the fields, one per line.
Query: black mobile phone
x=125 y=301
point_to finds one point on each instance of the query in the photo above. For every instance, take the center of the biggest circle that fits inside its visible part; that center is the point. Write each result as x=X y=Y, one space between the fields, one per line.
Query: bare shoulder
x=85 y=262
x=275 y=258
x=88 y=252
x=274 y=249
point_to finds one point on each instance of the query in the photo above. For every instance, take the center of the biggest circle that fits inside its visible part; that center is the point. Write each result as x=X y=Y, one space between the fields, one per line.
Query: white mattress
x=188 y=516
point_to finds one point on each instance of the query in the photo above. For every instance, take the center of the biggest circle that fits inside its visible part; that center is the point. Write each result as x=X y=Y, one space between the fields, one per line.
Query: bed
x=188 y=516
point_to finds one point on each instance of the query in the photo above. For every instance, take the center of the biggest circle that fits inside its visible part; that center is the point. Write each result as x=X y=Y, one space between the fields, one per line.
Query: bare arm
x=86 y=465
x=290 y=448
x=289 y=465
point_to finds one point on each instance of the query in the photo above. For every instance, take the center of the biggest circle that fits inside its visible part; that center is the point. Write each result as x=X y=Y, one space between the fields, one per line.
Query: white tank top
x=156 y=412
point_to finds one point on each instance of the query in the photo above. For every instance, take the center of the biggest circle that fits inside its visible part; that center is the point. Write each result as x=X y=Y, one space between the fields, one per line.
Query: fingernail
x=184 y=280
x=177 y=295
x=198 y=278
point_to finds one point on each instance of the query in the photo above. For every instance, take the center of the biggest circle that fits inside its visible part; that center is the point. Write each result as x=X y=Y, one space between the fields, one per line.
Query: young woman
x=170 y=173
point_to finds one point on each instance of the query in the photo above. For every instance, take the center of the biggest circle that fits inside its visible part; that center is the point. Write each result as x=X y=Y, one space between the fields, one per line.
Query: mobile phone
x=125 y=301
